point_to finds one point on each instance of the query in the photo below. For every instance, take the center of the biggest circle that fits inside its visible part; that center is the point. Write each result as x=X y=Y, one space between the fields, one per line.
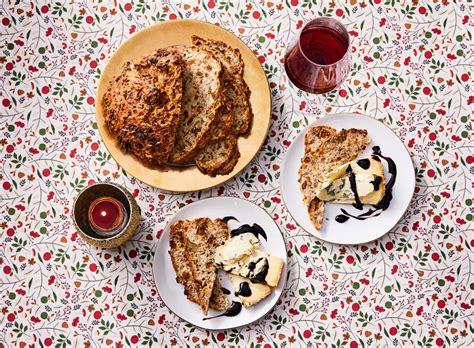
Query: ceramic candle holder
x=83 y=224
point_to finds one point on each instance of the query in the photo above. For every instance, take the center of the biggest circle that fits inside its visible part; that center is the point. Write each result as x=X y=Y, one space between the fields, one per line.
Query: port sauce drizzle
x=386 y=199
x=232 y=311
x=244 y=290
x=255 y=229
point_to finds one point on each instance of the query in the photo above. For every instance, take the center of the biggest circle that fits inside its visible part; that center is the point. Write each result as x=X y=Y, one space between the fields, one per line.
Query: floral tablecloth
x=412 y=69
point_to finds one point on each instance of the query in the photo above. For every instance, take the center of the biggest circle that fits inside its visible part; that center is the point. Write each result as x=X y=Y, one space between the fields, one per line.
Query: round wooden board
x=179 y=32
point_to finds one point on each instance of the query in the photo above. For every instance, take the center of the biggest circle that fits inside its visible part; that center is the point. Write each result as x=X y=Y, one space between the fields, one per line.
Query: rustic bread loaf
x=142 y=105
x=325 y=150
x=202 y=98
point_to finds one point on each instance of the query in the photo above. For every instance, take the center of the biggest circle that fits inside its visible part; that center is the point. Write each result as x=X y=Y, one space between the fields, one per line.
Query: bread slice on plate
x=200 y=255
x=215 y=155
x=235 y=89
x=239 y=93
x=179 y=259
x=202 y=98
x=218 y=300
x=219 y=233
x=192 y=248
x=325 y=150
x=142 y=105
x=315 y=136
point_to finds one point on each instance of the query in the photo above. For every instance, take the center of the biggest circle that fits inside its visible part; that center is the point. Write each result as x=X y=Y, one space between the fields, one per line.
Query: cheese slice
x=257 y=291
x=240 y=256
x=236 y=248
x=369 y=178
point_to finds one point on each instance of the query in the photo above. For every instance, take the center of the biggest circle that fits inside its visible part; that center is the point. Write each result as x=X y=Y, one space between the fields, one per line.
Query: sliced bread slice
x=200 y=257
x=235 y=89
x=216 y=154
x=238 y=92
x=179 y=259
x=201 y=239
x=314 y=137
x=202 y=98
x=333 y=150
x=218 y=300
x=230 y=165
x=222 y=126
x=230 y=57
x=219 y=231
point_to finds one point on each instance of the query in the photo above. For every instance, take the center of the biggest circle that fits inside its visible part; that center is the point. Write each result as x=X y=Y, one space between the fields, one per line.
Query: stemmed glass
x=318 y=59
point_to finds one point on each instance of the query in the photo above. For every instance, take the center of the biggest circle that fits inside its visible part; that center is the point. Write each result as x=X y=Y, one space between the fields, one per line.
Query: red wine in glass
x=318 y=60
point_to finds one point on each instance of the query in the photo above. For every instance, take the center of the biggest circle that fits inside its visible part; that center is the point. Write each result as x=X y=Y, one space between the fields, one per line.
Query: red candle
x=106 y=214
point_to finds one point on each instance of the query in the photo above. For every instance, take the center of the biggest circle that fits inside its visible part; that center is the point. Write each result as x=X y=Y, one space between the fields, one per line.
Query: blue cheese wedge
x=241 y=256
x=369 y=179
x=249 y=293
x=235 y=249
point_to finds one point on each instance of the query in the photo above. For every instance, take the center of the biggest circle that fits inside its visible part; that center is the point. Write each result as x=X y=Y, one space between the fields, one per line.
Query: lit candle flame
x=103 y=213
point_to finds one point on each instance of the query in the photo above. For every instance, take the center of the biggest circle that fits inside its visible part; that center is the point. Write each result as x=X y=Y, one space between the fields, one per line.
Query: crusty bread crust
x=142 y=105
x=325 y=150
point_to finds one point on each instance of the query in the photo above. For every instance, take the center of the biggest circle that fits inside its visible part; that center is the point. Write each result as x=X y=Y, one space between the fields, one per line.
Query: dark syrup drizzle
x=352 y=180
x=244 y=290
x=386 y=199
x=254 y=229
x=232 y=311
x=364 y=163
x=341 y=218
x=226 y=291
x=376 y=182
x=260 y=276
x=228 y=218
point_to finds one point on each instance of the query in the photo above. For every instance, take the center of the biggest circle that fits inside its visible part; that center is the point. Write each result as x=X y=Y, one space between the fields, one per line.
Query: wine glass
x=318 y=59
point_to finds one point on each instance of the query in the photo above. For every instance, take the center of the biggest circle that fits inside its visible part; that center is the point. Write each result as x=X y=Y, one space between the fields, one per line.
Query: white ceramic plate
x=352 y=231
x=172 y=293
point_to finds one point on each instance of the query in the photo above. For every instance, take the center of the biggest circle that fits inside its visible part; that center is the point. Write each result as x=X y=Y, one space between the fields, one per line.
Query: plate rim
x=283 y=278
x=220 y=179
x=350 y=114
